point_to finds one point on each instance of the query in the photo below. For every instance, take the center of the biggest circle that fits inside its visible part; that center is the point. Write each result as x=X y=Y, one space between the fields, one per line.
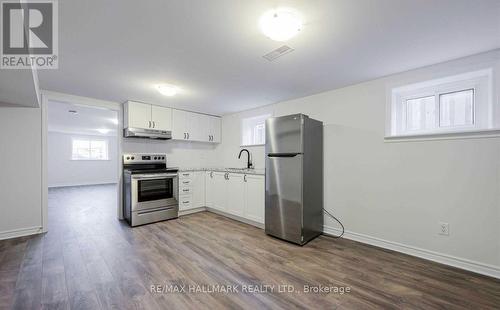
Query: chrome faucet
x=249 y=160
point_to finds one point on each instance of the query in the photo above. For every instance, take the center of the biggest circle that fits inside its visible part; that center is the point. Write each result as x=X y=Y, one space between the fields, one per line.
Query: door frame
x=46 y=96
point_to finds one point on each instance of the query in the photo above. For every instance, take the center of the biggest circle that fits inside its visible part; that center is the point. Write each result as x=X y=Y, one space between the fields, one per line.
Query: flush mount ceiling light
x=167 y=89
x=280 y=24
x=103 y=130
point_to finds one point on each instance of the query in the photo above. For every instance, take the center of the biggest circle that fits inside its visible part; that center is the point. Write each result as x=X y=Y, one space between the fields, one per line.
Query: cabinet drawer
x=186 y=175
x=184 y=190
x=185 y=202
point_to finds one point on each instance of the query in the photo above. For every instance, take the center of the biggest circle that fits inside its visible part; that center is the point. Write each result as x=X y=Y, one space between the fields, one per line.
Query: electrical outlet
x=444 y=229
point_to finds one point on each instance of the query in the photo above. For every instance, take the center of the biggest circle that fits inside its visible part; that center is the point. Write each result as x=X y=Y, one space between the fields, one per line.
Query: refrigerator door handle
x=283 y=154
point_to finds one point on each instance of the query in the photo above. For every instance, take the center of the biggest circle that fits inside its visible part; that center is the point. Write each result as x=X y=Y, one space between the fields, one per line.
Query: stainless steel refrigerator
x=294 y=178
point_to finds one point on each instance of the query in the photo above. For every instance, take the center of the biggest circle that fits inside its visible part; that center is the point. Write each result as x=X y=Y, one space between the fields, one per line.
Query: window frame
x=479 y=81
x=89 y=141
x=262 y=117
x=473 y=109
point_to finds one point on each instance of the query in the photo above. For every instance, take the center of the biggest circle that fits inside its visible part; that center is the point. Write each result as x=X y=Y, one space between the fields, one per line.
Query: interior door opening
x=82 y=160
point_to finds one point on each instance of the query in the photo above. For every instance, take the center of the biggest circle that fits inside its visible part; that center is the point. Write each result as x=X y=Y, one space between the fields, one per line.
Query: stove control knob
x=163 y=157
x=128 y=158
x=133 y=157
x=155 y=158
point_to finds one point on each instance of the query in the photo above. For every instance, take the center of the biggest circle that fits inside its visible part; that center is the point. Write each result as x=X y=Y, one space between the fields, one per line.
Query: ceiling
x=85 y=122
x=118 y=49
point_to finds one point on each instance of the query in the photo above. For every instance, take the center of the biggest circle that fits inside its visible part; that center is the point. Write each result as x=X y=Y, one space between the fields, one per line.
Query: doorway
x=81 y=163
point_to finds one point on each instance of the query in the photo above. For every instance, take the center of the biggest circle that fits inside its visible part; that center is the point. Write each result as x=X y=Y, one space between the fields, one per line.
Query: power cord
x=336 y=219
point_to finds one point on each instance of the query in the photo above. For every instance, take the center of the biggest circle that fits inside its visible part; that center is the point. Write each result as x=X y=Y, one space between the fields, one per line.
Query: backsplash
x=179 y=153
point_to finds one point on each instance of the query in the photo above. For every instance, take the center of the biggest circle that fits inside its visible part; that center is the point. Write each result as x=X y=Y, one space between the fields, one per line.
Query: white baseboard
x=477 y=267
x=191 y=211
x=15 y=233
x=237 y=218
x=81 y=184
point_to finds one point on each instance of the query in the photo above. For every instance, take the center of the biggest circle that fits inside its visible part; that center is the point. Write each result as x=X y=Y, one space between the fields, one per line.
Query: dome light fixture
x=103 y=130
x=280 y=24
x=167 y=89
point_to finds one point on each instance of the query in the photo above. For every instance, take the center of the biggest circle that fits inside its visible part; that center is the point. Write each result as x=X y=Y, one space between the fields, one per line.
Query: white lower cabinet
x=220 y=191
x=209 y=189
x=215 y=190
x=199 y=189
x=254 y=198
x=235 y=192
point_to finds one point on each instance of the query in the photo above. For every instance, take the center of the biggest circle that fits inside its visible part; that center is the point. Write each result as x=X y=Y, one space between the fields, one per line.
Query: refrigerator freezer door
x=283 y=213
x=284 y=134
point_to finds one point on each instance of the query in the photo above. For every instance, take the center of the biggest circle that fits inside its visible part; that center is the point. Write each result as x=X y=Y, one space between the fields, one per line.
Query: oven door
x=153 y=191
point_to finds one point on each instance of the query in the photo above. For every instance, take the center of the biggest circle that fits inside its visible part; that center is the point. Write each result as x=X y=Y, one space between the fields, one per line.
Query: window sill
x=250 y=145
x=90 y=159
x=472 y=134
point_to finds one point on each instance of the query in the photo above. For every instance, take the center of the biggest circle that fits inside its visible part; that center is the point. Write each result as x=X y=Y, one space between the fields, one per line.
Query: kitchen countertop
x=231 y=170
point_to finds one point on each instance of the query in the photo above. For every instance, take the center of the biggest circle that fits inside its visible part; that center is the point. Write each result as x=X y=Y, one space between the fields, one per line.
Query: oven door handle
x=157 y=177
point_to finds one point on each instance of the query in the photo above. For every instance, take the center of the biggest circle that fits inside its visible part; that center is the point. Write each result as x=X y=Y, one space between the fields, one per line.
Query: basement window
x=89 y=150
x=452 y=105
x=253 y=130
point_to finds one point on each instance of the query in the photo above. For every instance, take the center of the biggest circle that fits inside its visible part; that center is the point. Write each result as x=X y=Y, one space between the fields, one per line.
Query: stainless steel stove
x=150 y=189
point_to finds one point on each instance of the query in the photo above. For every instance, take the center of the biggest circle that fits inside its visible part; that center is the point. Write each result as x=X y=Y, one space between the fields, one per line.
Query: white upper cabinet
x=180 y=124
x=195 y=127
x=214 y=129
x=137 y=115
x=198 y=127
x=161 y=117
x=147 y=116
x=184 y=125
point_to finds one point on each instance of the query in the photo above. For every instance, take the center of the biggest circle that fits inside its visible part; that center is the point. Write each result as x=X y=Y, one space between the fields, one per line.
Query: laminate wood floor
x=90 y=260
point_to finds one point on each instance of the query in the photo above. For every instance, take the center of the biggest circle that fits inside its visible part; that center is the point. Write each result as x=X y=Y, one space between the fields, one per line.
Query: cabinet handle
x=154 y=124
x=185 y=174
x=149 y=124
x=211 y=174
x=185 y=202
x=185 y=190
x=188 y=135
x=185 y=182
x=184 y=136
x=245 y=178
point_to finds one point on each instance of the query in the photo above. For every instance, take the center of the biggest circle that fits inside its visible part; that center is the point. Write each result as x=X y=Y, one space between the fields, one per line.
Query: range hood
x=147 y=133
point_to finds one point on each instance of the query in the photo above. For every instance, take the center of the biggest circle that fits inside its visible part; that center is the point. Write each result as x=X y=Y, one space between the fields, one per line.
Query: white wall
x=20 y=166
x=394 y=194
x=62 y=171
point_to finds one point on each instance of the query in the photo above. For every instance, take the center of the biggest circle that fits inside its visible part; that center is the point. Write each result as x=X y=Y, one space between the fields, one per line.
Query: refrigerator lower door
x=283 y=211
